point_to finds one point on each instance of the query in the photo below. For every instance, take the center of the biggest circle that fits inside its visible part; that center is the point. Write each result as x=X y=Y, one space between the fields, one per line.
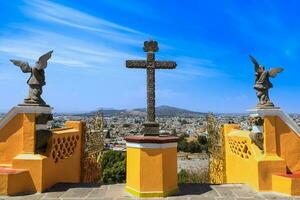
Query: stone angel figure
x=36 y=80
x=263 y=84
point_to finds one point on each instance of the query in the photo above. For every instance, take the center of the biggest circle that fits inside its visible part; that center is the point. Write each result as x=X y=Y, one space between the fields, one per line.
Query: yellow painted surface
x=150 y=194
x=288 y=145
x=20 y=182
x=11 y=140
x=28 y=132
x=270 y=138
x=170 y=169
x=16 y=183
x=3 y=184
x=61 y=163
x=245 y=163
x=133 y=172
x=241 y=165
x=151 y=172
x=281 y=184
x=281 y=155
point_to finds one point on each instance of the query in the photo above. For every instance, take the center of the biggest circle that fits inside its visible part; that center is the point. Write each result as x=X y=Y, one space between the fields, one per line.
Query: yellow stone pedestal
x=151 y=166
x=21 y=169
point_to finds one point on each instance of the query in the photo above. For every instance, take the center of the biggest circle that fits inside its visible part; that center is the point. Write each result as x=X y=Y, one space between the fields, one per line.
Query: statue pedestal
x=150 y=129
x=22 y=168
x=151 y=165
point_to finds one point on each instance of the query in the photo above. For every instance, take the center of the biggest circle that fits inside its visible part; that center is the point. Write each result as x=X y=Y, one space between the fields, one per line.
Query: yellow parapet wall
x=23 y=171
x=277 y=167
x=245 y=163
x=151 y=167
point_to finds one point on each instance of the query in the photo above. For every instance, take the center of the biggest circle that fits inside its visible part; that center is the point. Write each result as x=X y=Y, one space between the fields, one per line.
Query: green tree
x=126 y=125
x=183 y=176
x=114 y=167
x=194 y=147
x=182 y=144
x=173 y=132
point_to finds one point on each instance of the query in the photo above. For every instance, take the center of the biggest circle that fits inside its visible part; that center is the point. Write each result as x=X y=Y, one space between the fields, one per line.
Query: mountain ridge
x=161 y=111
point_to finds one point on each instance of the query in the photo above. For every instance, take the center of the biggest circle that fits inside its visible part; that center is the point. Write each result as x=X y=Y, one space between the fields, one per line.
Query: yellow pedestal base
x=288 y=184
x=150 y=194
x=151 y=166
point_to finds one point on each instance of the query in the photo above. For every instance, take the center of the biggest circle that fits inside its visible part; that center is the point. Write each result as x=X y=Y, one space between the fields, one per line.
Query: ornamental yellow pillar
x=151 y=165
x=270 y=139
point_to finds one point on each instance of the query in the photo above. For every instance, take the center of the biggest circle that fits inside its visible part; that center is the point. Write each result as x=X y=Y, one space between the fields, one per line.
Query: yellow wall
x=151 y=172
x=241 y=166
x=133 y=168
x=246 y=163
x=151 y=169
x=11 y=137
x=288 y=145
x=61 y=163
x=170 y=169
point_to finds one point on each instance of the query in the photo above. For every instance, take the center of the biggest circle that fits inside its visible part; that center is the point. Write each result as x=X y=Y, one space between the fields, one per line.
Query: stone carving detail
x=256 y=134
x=257 y=121
x=63 y=147
x=216 y=151
x=36 y=80
x=263 y=84
x=150 y=127
x=42 y=133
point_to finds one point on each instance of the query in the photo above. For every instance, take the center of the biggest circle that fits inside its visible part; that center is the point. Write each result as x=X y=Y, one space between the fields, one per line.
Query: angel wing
x=23 y=65
x=256 y=65
x=42 y=63
x=274 y=71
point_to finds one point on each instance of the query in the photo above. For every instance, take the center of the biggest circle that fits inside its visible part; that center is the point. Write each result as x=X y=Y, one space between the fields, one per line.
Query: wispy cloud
x=68 y=51
x=197 y=67
x=69 y=17
x=136 y=7
x=50 y=11
x=73 y=50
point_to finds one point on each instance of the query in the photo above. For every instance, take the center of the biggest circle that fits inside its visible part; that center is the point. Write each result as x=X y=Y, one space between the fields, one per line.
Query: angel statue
x=36 y=80
x=263 y=84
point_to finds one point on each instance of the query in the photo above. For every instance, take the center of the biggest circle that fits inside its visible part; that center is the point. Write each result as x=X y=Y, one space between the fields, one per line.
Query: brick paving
x=117 y=192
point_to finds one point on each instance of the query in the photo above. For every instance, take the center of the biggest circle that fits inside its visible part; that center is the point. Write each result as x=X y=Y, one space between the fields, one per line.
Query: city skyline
x=92 y=40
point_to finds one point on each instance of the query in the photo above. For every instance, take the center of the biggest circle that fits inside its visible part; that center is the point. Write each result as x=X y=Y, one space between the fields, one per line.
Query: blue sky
x=209 y=40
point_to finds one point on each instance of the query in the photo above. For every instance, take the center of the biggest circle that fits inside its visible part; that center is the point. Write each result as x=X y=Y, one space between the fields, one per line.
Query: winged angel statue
x=36 y=80
x=263 y=84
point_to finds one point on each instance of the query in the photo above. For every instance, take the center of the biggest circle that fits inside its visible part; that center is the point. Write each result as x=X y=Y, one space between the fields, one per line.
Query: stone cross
x=150 y=64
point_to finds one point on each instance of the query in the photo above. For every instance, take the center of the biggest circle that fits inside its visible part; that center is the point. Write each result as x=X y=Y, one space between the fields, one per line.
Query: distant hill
x=168 y=111
x=161 y=111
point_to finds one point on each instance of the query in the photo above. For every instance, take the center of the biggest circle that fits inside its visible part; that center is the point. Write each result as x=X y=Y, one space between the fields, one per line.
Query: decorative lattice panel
x=239 y=147
x=63 y=147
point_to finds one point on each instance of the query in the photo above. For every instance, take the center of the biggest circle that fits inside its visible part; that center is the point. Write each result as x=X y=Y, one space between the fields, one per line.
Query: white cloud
x=50 y=11
x=108 y=49
x=197 y=67
x=68 y=51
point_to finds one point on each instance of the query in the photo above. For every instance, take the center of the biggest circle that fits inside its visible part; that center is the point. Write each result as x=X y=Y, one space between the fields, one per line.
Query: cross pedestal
x=151 y=158
x=151 y=166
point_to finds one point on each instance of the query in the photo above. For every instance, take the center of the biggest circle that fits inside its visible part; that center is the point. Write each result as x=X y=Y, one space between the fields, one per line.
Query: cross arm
x=136 y=64
x=165 y=65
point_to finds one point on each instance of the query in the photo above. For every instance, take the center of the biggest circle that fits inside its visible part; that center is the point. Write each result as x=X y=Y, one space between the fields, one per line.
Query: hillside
x=161 y=111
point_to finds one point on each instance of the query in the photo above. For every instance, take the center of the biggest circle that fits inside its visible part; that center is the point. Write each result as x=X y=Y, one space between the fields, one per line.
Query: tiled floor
x=117 y=192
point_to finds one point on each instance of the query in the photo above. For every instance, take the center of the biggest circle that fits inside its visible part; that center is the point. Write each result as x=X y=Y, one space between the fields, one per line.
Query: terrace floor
x=117 y=192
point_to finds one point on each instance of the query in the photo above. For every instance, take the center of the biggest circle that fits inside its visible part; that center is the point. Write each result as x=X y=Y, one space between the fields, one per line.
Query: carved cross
x=150 y=64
